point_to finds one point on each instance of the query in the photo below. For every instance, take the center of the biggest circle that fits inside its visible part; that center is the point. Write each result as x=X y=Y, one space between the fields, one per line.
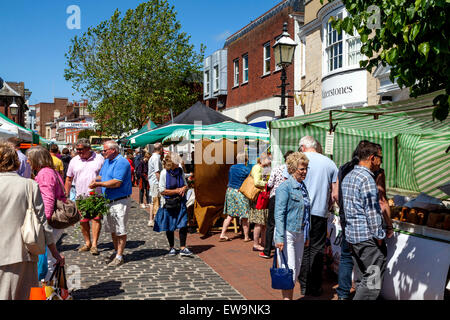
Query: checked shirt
x=362 y=209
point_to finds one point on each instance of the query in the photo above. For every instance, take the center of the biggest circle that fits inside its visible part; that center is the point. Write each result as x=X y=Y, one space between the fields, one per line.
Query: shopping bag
x=43 y=265
x=249 y=190
x=263 y=200
x=54 y=289
x=282 y=278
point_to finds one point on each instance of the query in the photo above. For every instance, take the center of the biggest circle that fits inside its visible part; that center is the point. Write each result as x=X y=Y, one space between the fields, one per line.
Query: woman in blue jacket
x=292 y=216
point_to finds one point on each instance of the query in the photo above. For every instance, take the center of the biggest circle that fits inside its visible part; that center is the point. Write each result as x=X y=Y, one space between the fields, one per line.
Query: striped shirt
x=361 y=206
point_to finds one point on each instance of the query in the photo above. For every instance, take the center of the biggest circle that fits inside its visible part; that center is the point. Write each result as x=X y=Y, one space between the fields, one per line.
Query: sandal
x=84 y=248
x=247 y=240
x=224 y=239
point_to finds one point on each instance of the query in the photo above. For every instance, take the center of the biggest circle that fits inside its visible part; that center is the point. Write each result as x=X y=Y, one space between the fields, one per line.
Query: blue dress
x=172 y=219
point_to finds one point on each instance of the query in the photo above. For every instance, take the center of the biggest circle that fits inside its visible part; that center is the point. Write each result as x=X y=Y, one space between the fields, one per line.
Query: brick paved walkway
x=241 y=267
x=148 y=273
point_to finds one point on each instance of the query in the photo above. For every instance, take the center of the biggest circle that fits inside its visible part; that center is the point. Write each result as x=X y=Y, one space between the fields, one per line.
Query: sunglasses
x=79 y=149
x=381 y=157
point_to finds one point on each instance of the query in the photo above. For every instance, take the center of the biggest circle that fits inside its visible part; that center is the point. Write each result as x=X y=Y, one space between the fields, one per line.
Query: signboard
x=76 y=125
x=329 y=142
x=344 y=89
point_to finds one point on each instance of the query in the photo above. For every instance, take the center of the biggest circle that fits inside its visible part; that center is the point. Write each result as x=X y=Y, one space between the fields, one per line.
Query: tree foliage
x=413 y=38
x=134 y=67
x=86 y=134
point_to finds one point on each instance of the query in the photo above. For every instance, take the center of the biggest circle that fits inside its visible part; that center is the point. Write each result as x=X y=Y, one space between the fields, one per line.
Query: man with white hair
x=115 y=180
x=322 y=188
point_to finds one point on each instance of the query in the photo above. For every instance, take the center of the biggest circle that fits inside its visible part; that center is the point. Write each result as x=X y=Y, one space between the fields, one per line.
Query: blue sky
x=34 y=36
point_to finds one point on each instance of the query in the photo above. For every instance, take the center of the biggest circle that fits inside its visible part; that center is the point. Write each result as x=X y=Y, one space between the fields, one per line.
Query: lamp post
x=283 y=51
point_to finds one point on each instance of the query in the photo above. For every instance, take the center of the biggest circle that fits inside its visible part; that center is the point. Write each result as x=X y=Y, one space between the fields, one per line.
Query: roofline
x=260 y=19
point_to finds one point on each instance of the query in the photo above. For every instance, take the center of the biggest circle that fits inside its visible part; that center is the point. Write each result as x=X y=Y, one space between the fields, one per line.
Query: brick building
x=49 y=111
x=14 y=92
x=331 y=65
x=241 y=79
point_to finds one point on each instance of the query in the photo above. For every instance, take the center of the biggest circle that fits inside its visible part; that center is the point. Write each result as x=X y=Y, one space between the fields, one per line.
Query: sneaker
x=110 y=258
x=94 y=251
x=150 y=223
x=115 y=263
x=142 y=206
x=173 y=252
x=263 y=255
x=186 y=252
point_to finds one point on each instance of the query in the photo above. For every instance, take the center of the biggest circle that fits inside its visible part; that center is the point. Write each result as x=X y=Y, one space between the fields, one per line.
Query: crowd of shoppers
x=300 y=194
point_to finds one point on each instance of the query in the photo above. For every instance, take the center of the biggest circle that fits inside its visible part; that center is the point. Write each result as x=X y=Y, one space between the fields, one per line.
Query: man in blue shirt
x=321 y=185
x=364 y=223
x=115 y=180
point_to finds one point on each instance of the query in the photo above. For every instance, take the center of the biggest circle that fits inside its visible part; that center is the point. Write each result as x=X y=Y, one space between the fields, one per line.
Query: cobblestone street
x=148 y=273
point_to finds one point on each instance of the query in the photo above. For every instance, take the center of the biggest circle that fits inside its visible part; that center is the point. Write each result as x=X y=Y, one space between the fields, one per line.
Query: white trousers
x=293 y=251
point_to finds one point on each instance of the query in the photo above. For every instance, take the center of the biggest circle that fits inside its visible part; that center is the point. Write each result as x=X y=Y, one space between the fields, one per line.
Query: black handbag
x=282 y=278
x=173 y=203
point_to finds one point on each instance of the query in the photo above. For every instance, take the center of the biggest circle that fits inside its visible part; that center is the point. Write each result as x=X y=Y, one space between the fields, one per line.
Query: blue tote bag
x=281 y=277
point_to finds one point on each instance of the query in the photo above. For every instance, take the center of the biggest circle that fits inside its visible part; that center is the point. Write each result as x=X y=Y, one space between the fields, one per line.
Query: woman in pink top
x=51 y=189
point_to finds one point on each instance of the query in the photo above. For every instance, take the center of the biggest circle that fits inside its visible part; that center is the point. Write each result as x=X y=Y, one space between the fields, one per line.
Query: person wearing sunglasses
x=364 y=222
x=82 y=169
x=115 y=180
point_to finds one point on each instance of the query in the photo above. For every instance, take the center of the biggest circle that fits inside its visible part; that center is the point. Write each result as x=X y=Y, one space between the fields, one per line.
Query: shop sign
x=76 y=125
x=344 y=89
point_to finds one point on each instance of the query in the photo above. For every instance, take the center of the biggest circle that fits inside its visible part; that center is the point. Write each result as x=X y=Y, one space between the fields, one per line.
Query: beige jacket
x=13 y=206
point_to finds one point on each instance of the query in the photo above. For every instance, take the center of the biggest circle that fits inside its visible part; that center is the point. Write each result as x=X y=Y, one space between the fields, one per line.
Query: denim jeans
x=345 y=270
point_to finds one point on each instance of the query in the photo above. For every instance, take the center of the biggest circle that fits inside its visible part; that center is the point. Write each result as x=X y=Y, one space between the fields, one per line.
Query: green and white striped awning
x=225 y=130
x=413 y=144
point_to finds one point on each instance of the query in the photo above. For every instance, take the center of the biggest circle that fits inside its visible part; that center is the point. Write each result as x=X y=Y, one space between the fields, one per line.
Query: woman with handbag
x=236 y=204
x=292 y=216
x=260 y=173
x=172 y=214
x=51 y=187
x=18 y=266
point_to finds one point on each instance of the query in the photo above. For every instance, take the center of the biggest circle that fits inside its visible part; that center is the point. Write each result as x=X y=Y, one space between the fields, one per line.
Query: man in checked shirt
x=364 y=223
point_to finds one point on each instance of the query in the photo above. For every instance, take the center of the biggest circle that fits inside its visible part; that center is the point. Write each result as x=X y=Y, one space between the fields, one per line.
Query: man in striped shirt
x=363 y=216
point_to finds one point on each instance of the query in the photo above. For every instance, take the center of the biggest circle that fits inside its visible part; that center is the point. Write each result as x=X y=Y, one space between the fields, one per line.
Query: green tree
x=134 y=67
x=86 y=134
x=413 y=38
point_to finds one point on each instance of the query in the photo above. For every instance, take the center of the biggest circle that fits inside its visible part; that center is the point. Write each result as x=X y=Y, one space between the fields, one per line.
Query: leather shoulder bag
x=66 y=213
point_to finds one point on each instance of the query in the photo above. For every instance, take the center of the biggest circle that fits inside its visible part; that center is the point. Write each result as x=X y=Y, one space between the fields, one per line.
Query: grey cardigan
x=13 y=206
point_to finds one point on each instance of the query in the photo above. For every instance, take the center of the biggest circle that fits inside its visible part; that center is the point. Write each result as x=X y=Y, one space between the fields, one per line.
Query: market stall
x=216 y=147
x=197 y=114
x=415 y=160
x=11 y=128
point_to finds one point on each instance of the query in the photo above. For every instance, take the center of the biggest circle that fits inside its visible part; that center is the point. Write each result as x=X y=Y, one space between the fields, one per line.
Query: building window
x=334 y=47
x=216 y=78
x=303 y=42
x=245 y=68
x=341 y=51
x=354 y=50
x=236 y=72
x=206 y=83
x=266 y=57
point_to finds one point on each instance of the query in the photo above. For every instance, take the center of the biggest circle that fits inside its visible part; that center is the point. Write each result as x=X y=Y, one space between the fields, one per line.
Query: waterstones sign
x=344 y=89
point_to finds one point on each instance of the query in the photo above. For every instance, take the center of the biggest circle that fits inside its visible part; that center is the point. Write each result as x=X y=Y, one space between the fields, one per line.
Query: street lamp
x=283 y=51
x=13 y=107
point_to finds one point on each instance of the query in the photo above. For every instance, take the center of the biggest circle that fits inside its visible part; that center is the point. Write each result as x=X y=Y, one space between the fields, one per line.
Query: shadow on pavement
x=144 y=254
x=199 y=249
x=129 y=245
x=97 y=291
